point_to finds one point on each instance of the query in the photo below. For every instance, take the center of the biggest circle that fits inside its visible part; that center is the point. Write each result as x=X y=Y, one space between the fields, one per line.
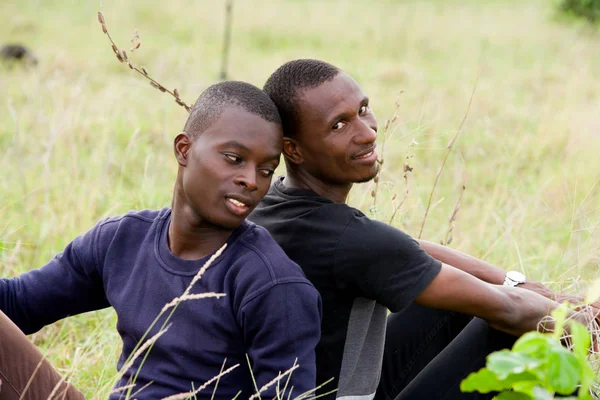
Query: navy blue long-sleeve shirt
x=270 y=311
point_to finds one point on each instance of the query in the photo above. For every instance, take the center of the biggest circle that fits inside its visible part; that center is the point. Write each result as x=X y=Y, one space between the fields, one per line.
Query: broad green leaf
x=564 y=371
x=581 y=339
x=485 y=381
x=560 y=314
x=533 y=344
x=539 y=393
x=530 y=388
x=587 y=378
x=513 y=396
x=505 y=362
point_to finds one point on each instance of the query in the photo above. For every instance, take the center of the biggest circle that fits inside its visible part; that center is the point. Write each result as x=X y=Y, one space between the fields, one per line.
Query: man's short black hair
x=216 y=98
x=284 y=84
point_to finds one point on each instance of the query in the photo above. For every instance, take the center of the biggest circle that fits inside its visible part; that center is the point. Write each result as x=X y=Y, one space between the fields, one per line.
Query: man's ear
x=181 y=146
x=292 y=150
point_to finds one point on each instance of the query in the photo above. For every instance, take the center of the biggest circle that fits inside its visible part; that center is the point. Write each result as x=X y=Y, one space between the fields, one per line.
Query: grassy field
x=82 y=137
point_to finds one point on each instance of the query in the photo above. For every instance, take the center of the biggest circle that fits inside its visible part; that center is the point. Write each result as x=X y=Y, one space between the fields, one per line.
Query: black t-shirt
x=350 y=259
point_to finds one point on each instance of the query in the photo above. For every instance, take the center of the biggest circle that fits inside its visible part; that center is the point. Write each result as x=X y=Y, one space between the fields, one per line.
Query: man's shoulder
x=267 y=256
x=364 y=232
x=143 y=217
x=260 y=265
x=131 y=223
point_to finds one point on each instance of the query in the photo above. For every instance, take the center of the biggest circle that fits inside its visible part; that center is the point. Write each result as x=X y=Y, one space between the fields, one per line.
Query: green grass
x=82 y=137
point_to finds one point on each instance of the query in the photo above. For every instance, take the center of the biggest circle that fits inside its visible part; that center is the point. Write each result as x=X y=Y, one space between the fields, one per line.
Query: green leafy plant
x=588 y=9
x=539 y=366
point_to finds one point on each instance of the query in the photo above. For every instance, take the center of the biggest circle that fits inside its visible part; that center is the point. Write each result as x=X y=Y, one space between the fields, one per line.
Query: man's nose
x=247 y=179
x=368 y=132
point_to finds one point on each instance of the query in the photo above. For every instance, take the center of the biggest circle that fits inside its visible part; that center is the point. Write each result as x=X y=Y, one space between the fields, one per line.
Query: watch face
x=516 y=276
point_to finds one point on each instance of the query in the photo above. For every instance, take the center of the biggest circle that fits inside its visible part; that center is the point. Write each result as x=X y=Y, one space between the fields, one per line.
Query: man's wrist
x=514 y=278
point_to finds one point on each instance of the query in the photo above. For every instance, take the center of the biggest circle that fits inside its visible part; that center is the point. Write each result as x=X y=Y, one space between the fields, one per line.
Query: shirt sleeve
x=69 y=284
x=281 y=324
x=377 y=261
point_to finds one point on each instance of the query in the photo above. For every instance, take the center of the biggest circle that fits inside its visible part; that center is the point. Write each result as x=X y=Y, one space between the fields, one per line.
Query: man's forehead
x=244 y=130
x=332 y=97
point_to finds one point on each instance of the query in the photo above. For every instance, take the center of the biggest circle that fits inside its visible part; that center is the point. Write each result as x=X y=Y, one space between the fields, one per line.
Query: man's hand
x=578 y=301
x=539 y=288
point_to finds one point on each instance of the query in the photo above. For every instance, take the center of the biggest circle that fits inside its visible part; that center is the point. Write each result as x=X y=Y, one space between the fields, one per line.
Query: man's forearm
x=469 y=264
x=487 y=272
x=508 y=309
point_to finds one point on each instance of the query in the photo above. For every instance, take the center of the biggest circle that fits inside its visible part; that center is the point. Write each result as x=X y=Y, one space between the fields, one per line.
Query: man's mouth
x=366 y=156
x=236 y=206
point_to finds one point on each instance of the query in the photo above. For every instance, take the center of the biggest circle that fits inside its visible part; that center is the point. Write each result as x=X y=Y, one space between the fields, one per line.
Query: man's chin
x=370 y=177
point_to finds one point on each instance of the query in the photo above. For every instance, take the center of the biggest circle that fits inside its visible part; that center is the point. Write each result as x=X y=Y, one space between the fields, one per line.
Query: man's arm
x=69 y=284
x=280 y=325
x=508 y=309
x=485 y=271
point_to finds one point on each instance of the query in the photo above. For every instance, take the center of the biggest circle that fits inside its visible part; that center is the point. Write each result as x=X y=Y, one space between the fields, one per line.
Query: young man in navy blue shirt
x=137 y=263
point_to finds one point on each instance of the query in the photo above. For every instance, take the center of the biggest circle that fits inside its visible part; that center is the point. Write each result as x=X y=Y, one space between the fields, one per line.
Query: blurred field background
x=82 y=137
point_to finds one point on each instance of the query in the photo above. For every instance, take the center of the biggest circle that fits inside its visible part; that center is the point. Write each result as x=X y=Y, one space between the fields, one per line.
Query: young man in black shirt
x=362 y=267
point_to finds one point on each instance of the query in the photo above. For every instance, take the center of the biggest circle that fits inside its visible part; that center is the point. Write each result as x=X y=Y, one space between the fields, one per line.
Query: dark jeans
x=429 y=352
x=24 y=372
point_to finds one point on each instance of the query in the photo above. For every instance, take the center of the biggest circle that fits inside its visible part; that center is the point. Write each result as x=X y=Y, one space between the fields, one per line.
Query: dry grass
x=82 y=137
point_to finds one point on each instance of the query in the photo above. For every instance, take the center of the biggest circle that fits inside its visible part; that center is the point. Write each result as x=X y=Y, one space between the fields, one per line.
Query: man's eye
x=233 y=158
x=338 y=125
x=266 y=172
x=363 y=109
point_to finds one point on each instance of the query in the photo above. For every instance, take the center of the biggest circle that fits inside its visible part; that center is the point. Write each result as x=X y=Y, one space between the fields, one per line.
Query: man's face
x=228 y=167
x=337 y=131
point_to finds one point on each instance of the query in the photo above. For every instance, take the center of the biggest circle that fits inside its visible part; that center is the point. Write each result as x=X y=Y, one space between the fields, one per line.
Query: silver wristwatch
x=514 y=278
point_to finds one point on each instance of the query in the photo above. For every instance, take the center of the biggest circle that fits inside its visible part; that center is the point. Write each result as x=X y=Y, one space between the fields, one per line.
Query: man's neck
x=189 y=237
x=303 y=180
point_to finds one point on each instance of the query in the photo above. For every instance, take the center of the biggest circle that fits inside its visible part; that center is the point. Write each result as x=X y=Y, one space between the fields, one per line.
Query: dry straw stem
x=407 y=169
x=35 y=371
x=123 y=388
x=217 y=383
x=280 y=393
x=275 y=380
x=226 y=38
x=192 y=394
x=385 y=132
x=449 y=147
x=202 y=270
x=197 y=296
x=252 y=375
x=142 y=348
x=588 y=313
x=237 y=395
x=140 y=389
x=309 y=395
x=54 y=394
x=185 y=294
x=123 y=58
x=448 y=239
